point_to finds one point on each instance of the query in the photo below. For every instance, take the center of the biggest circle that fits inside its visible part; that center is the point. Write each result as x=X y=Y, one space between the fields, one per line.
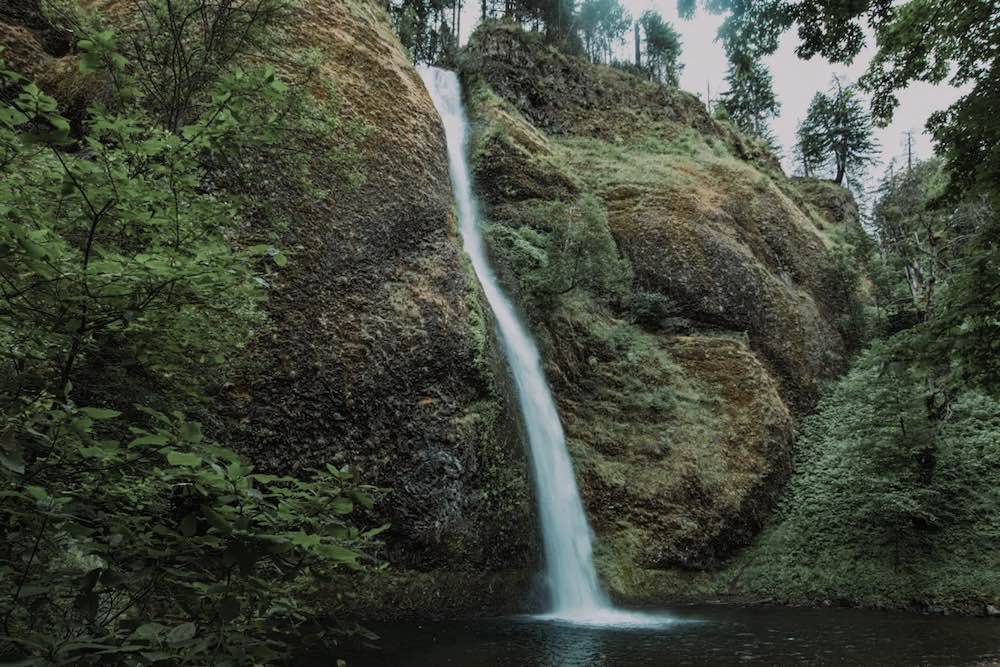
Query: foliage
x=152 y=545
x=423 y=27
x=663 y=48
x=918 y=40
x=602 y=23
x=911 y=233
x=936 y=278
x=960 y=340
x=749 y=100
x=174 y=52
x=130 y=538
x=564 y=248
x=751 y=28
x=581 y=252
x=837 y=132
x=894 y=496
x=115 y=245
x=933 y=41
x=887 y=502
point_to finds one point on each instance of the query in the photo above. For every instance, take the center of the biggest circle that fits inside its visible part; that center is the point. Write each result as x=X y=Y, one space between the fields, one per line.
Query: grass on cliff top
x=674 y=157
x=689 y=168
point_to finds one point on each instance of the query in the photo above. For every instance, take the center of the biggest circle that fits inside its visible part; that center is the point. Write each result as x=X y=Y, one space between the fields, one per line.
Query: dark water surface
x=701 y=635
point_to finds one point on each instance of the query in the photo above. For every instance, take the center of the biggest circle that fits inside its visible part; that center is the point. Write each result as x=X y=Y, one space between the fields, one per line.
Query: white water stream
x=576 y=594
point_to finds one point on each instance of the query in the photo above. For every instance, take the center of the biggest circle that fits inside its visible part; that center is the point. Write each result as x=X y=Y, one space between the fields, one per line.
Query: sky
x=795 y=80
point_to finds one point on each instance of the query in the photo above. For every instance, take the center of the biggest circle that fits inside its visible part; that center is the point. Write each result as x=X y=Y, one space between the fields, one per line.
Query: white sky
x=795 y=80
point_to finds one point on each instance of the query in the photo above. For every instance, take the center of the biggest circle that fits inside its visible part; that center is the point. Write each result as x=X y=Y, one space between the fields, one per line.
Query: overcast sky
x=795 y=80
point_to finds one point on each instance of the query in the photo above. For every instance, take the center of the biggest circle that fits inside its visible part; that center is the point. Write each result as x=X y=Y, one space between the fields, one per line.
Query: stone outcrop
x=379 y=351
x=681 y=421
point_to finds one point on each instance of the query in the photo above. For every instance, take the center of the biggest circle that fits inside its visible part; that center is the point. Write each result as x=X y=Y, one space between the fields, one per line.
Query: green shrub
x=129 y=545
x=888 y=501
x=129 y=537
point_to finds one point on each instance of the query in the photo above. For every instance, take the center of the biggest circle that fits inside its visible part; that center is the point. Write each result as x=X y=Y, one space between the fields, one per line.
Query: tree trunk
x=638 y=46
x=841 y=172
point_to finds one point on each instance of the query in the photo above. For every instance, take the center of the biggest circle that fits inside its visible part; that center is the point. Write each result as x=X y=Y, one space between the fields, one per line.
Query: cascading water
x=576 y=593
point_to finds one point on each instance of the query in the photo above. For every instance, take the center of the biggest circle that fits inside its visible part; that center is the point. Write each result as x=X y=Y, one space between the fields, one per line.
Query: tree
x=914 y=237
x=810 y=149
x=959 y=342
x=837 y=131
x=663 y=48
x=427 y=28
x=602 y=23
x=751 y=28
x=128 y=273
x=750 y=101
x=918 y=40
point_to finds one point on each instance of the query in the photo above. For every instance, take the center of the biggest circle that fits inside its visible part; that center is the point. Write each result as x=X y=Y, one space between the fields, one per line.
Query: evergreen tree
x=837 y=132
x=918 y=40
x=426 y=27
x=663 y=48
x=750 y=101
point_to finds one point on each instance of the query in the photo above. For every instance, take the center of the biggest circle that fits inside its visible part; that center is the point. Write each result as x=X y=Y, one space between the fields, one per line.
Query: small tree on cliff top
x=750 y=100
x=837 y=134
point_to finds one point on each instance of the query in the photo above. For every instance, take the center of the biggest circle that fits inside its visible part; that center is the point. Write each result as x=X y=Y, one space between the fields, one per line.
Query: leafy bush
x=130 y=538
x=116 y=243
x=561 y=248
x=889 y=500
x=152 y=545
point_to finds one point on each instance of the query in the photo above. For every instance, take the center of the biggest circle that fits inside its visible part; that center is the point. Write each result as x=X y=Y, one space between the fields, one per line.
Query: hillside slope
x=688 y=296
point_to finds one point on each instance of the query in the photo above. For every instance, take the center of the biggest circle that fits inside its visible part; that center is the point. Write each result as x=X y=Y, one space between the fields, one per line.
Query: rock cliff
x=379 y=351
x=679 y=386
x=687 y=296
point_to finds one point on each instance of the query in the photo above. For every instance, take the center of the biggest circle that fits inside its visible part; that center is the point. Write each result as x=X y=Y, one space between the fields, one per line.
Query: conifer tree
x=837 y=134
x=750 y=101
x=602 y=24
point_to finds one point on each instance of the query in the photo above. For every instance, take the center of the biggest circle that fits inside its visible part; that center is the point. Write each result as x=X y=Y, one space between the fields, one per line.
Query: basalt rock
x=682 y=443
x=379 y=352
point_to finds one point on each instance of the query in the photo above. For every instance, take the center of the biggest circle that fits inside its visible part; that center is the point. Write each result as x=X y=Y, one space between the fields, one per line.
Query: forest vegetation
x=765 y=391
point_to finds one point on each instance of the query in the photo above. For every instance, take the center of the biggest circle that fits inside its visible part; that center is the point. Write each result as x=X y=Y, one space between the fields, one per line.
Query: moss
x=682 y=444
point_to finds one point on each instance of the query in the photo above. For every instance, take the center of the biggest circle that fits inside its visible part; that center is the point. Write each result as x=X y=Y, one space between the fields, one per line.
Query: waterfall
x=575 y=591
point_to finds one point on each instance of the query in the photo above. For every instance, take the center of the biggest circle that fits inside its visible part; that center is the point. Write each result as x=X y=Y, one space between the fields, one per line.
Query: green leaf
x=302 y=539
x=100 y=413
x=191 y=431
x=280 y=259
x=364 y=499
x=90 y=63
x=217 y=520
x=342 y=505
x=148 y=631
x=339 y=554
x=150 y=439
x=12 y=460
x=11 y=117
x=181 y=633
x=176 y=458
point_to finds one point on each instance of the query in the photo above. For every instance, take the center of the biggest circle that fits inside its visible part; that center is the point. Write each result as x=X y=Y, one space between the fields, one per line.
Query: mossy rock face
x=834 y=203
x=678 y=393
x=380 y=353
x=37 y=47
x=733 y=252
x=561 y=95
